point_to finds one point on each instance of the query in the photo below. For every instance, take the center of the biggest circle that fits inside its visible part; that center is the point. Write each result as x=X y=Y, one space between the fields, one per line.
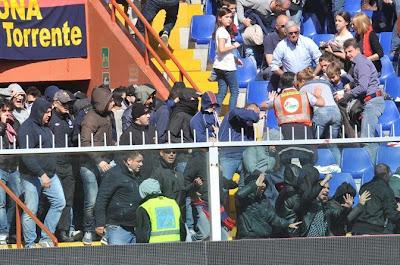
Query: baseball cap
x=64 y=96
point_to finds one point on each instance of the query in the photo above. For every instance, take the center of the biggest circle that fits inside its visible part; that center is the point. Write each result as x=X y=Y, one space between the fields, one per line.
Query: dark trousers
x=151 y=9
x=65 y=173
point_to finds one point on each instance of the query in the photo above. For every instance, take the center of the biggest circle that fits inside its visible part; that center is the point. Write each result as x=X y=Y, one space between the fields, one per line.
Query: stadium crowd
x=161 y=196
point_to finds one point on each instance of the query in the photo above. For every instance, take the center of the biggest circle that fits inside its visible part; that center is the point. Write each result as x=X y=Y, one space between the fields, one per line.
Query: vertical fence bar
x=213 y=194
x=18 y=226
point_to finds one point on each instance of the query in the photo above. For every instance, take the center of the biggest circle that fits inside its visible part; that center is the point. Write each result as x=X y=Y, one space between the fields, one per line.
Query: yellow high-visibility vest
x=164 y=214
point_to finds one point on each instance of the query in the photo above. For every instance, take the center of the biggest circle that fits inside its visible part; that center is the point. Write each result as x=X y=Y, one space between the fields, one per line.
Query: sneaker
x=164 y=38
x=104 y=240
x=46 y=243
x=3 y=239
x=212 y=77
x=87 y=238
x=76 y=235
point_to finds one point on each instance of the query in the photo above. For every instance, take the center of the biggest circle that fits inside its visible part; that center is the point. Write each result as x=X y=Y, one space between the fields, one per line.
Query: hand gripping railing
x=148 y=29
x=20 y=204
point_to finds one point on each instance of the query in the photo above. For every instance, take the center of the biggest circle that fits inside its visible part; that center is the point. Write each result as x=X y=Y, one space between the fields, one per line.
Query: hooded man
x=97 y=122
x=38 y=173
x=206 y=119
x=144 y=95
x=158 y=218
x=380 y=207
x=18 y=99
x=181 y=115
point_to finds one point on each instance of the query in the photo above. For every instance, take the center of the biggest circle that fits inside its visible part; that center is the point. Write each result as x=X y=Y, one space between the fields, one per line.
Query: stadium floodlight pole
x=214 y=194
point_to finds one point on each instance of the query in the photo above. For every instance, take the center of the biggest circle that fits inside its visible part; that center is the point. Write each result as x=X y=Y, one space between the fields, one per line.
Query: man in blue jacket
x=38 y=173
x=205 y=119
x=236 y=126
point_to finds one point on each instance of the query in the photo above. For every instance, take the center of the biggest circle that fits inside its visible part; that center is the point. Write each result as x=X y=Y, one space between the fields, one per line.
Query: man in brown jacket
x=97 y=122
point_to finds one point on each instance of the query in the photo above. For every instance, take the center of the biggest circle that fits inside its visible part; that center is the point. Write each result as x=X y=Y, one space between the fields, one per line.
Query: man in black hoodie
x=38 y=173
x=118 y=199
x=62 y=127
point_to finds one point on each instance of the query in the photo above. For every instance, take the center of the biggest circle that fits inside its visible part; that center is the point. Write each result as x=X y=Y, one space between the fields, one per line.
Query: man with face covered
x=62 y=127
x=38 y=173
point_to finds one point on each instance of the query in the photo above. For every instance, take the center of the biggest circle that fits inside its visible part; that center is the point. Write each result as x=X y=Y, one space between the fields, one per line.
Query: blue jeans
x=55 y=196
x=326 y=117
x=204 y=227
x=90 y=189
x=230 y=164
x=118 y=235
x=13 y=181
x=256 y=53
x=395 y=45
x=227 y=79
x=373 y=109
x=151 y=8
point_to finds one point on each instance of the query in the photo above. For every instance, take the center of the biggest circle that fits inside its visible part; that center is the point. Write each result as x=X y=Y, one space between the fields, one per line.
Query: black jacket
x=61 y=125
x=118 y=197
x=380 y=207
x=143 y=228
x=137 y=131
x=34 y=129
x=256 y=215
x=8 y=163
x=171 y=181
x=333 y=212
x=180 y=121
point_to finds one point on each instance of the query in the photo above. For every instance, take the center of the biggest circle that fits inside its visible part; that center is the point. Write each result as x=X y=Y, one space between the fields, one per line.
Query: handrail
x=20 y=204
x=145 y=40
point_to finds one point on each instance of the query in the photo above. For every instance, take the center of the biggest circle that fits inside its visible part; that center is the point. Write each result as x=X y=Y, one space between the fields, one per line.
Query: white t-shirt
x=225 y=61
x=341 y=39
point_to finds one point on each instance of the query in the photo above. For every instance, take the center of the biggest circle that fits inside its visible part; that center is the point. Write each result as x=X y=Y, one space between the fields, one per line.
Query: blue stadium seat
x=352 y=6
x=389 y=116
x=271 y=121
x=392 y=87
x=357 y=162
x=325 y=157
x=257 y=92
x=211 y=51
x=385 y=39
x=318 y=38
x=337 y=180
x=246 y=72
x=387 y=68
x=202 y=28
x=310 y=25
x=395 y=129
x=389 y=156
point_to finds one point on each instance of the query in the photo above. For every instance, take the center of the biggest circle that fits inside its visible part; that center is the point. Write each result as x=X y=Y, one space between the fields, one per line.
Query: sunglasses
x=281 y=26
x=168 y=152
x=293 y=33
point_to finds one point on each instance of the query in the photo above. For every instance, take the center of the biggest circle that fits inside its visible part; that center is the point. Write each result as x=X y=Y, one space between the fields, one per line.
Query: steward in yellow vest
x=158 y=217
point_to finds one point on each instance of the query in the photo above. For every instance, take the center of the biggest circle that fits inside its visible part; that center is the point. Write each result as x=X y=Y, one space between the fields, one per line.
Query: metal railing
x=149 y=31
x=213 y=163
x=20 y=205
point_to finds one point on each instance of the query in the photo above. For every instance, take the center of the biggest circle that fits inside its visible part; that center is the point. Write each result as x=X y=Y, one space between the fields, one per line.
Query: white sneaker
x=46 y=243
x=3 y=239
x=164 y=38
x=87 y=238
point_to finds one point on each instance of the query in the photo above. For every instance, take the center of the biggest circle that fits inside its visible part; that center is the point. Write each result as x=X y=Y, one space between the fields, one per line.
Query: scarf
x=10 y=132
x=367 y=50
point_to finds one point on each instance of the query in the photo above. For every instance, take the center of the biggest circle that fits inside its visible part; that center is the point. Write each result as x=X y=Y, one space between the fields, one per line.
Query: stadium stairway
x=192 y=57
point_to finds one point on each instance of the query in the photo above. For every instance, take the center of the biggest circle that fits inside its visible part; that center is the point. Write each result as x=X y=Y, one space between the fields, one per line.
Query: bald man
x=272 y=39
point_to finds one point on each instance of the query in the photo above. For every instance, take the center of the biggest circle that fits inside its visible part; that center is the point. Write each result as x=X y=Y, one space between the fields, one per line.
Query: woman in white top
x=225 y=61
x=342 y=23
